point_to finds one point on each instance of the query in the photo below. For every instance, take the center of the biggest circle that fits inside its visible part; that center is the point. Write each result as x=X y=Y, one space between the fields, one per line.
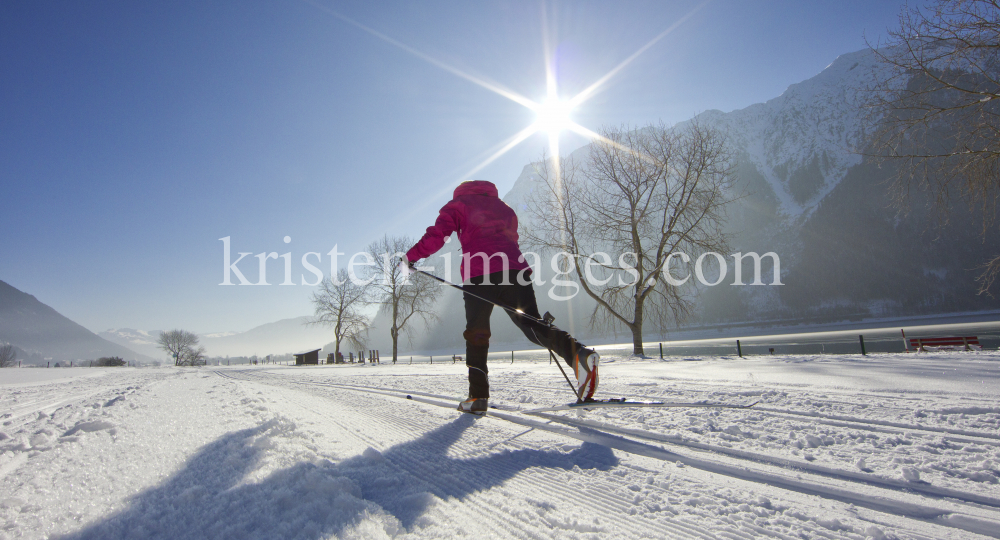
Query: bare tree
x=935 y=107
x=338 y=304
x=641 y=196
x=194 y=357
x=7 y=355
x=183 y=347
x=400 y=297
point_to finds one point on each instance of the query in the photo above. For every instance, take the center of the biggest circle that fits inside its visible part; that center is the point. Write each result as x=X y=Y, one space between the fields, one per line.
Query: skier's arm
x=447 y=223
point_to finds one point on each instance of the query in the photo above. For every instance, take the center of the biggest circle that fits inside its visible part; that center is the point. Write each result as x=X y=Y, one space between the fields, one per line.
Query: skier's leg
x=477 y=340
x=522 y=297
x=582 y=360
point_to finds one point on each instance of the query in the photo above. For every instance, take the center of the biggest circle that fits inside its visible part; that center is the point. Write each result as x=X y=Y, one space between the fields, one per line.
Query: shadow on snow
x=210 y=499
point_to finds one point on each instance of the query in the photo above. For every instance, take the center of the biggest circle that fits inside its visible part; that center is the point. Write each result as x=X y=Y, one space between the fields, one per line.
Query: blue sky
x=135 y=135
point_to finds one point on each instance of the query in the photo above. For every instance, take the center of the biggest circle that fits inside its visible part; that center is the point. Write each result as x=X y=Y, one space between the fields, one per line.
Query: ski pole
x=546 y=320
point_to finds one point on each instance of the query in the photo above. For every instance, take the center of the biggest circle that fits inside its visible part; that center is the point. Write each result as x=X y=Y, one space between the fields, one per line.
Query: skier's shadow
x=212 y=498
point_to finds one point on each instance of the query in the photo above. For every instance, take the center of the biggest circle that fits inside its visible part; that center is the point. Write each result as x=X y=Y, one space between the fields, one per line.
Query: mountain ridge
x=38 y=329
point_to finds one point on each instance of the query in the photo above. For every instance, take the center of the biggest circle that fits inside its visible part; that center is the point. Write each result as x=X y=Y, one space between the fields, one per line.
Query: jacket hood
x=476 y=187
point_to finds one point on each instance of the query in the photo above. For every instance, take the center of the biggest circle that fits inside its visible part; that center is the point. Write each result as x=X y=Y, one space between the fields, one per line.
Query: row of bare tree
x=341 y=302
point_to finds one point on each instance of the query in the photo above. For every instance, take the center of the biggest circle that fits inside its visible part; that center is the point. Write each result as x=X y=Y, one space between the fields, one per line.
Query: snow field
x=885 y=446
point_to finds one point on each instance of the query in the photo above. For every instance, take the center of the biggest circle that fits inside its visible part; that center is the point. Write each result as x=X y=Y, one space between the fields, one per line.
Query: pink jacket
x=486 y=227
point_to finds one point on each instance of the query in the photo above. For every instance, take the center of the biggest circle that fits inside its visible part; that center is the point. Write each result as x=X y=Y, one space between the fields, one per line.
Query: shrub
x=109 y=361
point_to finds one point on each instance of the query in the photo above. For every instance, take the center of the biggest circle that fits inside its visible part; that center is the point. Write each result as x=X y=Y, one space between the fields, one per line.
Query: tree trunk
x=394 y=332
x=637 y=328
x=637 y=341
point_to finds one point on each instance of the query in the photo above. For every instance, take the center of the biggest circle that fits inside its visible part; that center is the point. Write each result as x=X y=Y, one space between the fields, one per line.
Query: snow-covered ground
x=882 y=446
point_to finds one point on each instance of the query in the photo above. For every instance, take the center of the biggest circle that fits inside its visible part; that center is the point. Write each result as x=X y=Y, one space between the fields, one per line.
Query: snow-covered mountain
x=804 y=141
x=142 y=341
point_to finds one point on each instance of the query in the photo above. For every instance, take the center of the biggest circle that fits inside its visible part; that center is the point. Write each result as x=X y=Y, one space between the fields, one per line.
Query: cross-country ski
x=626 y=403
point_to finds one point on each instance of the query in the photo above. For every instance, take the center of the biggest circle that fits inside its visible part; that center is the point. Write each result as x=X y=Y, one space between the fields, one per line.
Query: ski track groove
x=894 y=507
x=830 y=472
x=812 y=488
x=549 y=488
x=553 y=486
x=404 y=463
x=734 y=453
x=41 y=405
x=831 y=419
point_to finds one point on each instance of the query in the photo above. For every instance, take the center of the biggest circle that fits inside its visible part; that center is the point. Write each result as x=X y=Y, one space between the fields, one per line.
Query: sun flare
x=553 y=116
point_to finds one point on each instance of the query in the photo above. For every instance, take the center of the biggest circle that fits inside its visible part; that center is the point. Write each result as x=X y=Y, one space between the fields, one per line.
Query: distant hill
x=43 y=334
x=140 y=341
x=287 y=336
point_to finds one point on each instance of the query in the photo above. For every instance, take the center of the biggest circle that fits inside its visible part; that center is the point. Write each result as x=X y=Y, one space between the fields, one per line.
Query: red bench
x=967 y=343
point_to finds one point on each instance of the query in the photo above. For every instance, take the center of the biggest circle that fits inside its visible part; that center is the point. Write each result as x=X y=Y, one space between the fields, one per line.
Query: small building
x=311 y=357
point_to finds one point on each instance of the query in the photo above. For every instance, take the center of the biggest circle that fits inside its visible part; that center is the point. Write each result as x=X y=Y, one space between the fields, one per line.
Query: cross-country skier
x=494 y=268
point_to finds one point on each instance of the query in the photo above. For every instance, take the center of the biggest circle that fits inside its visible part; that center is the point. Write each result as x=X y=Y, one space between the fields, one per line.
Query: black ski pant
x=477 y=324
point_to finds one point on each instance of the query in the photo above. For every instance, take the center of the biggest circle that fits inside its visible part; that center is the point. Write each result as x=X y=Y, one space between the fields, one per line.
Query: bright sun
x=553 y=116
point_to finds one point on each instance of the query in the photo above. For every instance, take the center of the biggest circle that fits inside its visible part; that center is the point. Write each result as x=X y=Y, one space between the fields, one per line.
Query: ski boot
x=475 y=406
x=585 y=369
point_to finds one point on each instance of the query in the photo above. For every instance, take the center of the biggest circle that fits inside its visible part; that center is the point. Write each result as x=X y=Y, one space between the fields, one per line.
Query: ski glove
x=405 y=268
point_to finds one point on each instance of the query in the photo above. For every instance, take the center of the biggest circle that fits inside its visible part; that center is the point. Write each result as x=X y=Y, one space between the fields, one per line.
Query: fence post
x=739 y=350
x=432 y=359
x=511 y=357
x=661 y=351
x=862 y=340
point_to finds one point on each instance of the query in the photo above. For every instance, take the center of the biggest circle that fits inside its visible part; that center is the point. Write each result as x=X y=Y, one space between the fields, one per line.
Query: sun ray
x=513 y=141
x=505 y=146
x=553 y=113
x=493 y=87
x=577 y=128
x=593 y=88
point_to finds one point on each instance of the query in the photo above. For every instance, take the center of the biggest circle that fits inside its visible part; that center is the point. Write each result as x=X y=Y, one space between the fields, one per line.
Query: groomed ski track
x=883 y=502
